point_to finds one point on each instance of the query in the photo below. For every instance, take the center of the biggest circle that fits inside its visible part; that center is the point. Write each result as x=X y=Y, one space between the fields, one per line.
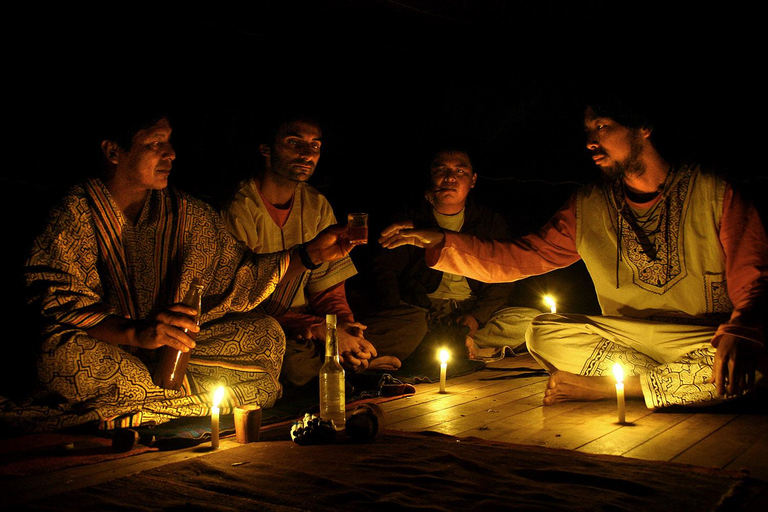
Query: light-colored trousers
x=674 y=361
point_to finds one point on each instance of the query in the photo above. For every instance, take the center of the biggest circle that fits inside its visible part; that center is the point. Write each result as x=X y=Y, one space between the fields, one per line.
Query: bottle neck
x=331 y=343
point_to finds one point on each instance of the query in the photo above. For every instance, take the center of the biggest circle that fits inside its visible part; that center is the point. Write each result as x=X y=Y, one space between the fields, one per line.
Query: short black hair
x=273 y=123
x=447 y=145
x=121 y=123
x=626 y=108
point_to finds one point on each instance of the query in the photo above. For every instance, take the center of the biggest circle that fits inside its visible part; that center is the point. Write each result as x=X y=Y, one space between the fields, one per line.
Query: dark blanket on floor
x=407 y=471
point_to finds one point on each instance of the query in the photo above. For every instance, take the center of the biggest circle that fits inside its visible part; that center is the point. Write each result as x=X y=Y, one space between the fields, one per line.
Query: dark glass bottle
x=172 y=364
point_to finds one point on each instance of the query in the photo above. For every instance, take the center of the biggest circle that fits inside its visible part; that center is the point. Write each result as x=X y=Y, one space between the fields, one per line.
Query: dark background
x=389 y=78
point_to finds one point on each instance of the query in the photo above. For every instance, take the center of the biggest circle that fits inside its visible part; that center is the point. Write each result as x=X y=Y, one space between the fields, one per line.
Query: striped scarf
x=109 y=221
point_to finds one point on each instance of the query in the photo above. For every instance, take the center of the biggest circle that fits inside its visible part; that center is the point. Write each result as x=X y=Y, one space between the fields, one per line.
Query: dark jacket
x=402 y=274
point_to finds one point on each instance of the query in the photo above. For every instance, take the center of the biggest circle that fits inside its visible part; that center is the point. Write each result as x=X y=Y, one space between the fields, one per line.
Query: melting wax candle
x=551 y=303
x=618 y=372
x=443 y=356
x=218 y=395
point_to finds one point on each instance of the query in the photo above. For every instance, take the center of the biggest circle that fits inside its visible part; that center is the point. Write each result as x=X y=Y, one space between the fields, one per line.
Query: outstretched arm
x=331 y=244
x=494 y=261
x=403 y=233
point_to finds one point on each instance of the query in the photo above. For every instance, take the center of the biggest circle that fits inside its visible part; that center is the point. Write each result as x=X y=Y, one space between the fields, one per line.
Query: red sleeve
x=744 y=241
x=493 y=261
x=330 y=300
x=294 y=322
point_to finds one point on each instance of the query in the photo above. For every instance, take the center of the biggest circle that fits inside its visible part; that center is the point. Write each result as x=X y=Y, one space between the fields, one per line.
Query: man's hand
x=329 y=245
x=355 y=351
x=164 y=327
x=735 y=364
x=470 y=321
x=403 y=233
x=472 y=324
x=167 y=327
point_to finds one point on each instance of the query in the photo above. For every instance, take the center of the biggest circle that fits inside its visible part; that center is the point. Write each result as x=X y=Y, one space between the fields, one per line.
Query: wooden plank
x=492 y=422
x=521 y=427
x=754 y=459
x=434 y=401
x=474 y=383
x=624 y=439
x=580 y=426
x=473 y=410
x=481 y=383
x=672 y=442
x=726 y=444
x=510 y=410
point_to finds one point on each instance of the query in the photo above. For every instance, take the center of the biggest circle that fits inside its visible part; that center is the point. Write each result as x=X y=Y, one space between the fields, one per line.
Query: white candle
x=618 y=372
x=217 y=397
x=551 y=303
x=443 y=355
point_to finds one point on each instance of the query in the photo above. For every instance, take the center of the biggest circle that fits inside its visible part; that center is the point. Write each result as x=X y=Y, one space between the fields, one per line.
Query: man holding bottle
x=107 y=276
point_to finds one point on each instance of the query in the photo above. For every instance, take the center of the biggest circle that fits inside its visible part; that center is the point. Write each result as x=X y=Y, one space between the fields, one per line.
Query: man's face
x=147 y=164
x=452 y=178
x=295 y=151
x=615 y=148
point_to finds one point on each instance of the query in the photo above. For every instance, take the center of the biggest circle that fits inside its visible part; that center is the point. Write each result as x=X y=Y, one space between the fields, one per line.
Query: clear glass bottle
x=332 y=394
x=172 y=364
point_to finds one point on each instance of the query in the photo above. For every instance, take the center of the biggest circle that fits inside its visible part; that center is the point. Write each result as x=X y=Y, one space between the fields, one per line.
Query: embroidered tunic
x=672 y=276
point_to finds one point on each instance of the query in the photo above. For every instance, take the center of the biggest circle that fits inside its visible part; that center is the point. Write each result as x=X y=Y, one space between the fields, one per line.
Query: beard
x=632 y=166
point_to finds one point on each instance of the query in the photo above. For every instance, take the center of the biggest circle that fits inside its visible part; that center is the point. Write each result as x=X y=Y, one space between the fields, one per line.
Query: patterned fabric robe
x=90 y=262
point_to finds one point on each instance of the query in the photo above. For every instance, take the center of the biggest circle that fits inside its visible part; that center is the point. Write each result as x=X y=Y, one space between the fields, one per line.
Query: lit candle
x=551 y=303
x=218 y=395
x=443 y=355
x=618 y=372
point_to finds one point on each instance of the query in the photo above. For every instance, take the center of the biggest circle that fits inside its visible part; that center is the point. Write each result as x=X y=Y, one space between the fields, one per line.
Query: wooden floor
x=503 y=403
x=507 y=406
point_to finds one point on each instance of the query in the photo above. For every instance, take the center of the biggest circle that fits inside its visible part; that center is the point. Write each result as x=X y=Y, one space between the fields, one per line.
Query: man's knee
x=80 y=367
x=258 y=334
x=539 y=332
x=302 y=362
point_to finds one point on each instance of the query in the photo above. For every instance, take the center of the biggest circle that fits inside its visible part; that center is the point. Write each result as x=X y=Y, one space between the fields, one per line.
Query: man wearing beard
x=679 y=260
x=277 y=209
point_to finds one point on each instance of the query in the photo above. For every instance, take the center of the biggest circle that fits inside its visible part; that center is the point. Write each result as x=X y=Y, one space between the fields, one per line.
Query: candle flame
x=218 y=395
x=550 y=301
x=443 y=355
x=618 y=372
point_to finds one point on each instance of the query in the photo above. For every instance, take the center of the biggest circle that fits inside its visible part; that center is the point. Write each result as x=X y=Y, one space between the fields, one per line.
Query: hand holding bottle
x=172 y=366
x=170 y=327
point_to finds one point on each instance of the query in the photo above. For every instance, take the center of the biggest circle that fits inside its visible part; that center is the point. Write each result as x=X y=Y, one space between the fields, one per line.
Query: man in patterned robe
x=679 y=260
x=108 y=273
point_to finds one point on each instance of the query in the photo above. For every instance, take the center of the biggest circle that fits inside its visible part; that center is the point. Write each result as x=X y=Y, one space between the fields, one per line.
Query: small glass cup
x=357 y=228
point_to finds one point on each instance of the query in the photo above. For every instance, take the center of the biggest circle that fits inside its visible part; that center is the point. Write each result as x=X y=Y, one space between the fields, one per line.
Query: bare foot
x=385 y=363
x=565 y=386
